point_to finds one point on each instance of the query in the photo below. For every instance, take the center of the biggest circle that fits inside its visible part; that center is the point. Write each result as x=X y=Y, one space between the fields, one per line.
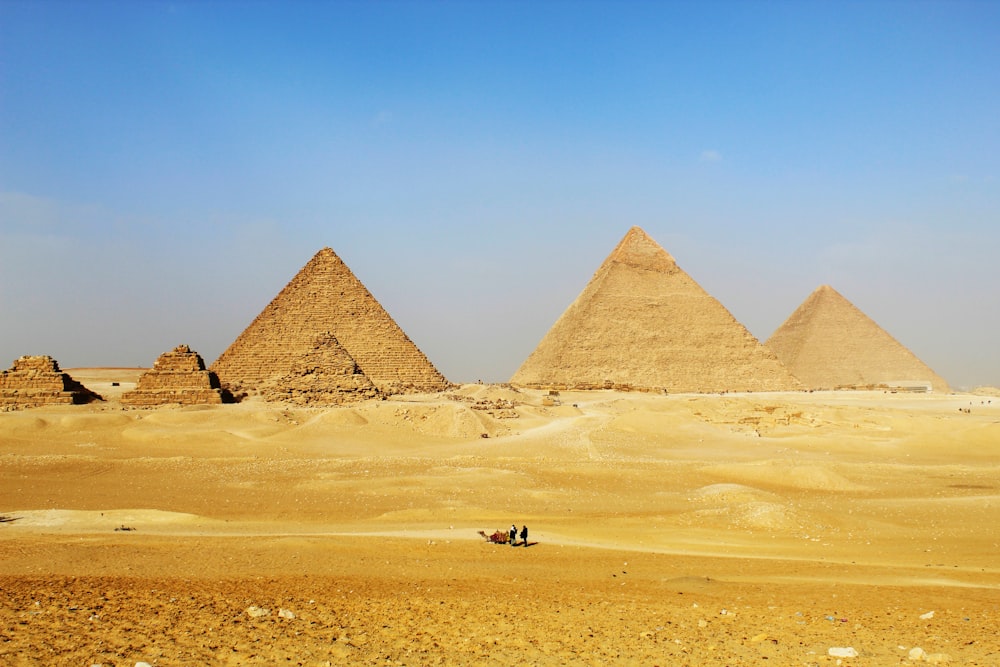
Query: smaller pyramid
x=34 y=381
x=324 y=375
x=642 y=323
x=178 y=376
x=828 y=343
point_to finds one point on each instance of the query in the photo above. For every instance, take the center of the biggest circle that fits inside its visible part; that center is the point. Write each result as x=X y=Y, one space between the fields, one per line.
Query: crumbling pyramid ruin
x=642 y=323
x=325 y=375
x=34 y=381
x=828 y=343
x=324 y=298
x=178 y=376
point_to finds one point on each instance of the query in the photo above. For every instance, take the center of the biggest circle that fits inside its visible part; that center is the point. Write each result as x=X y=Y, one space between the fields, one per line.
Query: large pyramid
x=643 y=323
x=325 y=301
x=827 y=343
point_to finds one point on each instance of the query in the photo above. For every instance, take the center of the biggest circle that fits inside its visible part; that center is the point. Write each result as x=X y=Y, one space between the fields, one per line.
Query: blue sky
x=166 y=168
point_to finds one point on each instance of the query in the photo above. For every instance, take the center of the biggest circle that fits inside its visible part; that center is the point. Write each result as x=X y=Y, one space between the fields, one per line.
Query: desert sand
x=826 y=528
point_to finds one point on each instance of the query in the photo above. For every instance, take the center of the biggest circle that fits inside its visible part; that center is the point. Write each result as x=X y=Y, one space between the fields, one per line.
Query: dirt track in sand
x=814 y=521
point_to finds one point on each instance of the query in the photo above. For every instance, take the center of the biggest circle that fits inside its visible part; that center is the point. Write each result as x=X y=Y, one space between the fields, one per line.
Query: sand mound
x=784 y=475
x=439 y=420
x=729 y=493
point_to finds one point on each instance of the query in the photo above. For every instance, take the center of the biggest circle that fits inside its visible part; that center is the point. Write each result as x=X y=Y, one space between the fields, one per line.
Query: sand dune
x=682 y=529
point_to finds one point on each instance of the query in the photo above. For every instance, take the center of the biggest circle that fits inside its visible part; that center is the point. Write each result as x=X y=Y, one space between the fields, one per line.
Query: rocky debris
x=34 y=381
x=178 y=376
x=498 y=409
x=253 y=611
x=842 y=652
x=326 y=297
x=323 y=375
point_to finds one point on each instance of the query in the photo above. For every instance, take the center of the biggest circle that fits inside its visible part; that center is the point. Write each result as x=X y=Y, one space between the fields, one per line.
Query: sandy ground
x=783 y=529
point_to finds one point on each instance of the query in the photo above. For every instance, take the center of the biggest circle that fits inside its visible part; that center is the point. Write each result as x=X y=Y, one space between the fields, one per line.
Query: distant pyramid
x=325 y=299
x=827 y=343
x=643 y=323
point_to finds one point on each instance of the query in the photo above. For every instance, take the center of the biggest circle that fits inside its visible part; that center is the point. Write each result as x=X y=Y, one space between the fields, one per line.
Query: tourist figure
x=513 y=534
x=524 y=535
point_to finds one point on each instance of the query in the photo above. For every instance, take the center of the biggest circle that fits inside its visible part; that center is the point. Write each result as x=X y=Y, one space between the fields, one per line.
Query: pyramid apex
x=639 y=250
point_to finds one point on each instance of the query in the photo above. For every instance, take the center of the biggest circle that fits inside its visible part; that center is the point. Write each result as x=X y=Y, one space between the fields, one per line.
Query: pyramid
x=324 y=375
x=643 y=323
x=324 y=298
x=827 y=343
x=34 y=381
x=178 y=376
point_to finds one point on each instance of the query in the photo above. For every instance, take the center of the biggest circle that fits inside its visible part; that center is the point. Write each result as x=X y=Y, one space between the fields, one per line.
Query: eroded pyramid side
x=828 y=343
x=326 y=297
x=643 y=323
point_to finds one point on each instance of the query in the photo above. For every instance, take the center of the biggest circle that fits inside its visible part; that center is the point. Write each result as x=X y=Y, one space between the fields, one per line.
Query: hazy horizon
x=166 y=168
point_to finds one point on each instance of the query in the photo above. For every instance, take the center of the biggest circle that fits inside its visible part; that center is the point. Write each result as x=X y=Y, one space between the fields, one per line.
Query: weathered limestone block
x=34 y=381
x=178 y=376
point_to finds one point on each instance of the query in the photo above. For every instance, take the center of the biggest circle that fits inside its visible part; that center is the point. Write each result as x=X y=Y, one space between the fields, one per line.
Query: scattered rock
x=917 y=653
x=284 y=613
x=927 y=616
x=842 y=652
x=254 y=611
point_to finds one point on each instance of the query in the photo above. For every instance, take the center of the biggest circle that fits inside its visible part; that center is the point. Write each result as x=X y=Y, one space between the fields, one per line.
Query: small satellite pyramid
x=827 y=343
x=643 y=323
x=325 y=302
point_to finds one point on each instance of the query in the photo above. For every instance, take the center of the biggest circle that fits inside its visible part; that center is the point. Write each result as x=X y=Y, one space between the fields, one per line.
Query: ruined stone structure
x=324 y=375
x=642 y=323
x=178 y=376
x=34 y=381
x=828 y=343
x=324 y=298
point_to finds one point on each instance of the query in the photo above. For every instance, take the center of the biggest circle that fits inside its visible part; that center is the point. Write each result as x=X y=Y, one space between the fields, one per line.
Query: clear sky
x=167 y=167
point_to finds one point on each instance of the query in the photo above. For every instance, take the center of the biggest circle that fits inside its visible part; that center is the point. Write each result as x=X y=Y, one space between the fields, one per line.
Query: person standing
x=513 y=534
x=524 y=535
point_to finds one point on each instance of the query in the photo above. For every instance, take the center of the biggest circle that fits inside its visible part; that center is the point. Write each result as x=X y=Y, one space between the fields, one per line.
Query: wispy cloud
x=710 y=155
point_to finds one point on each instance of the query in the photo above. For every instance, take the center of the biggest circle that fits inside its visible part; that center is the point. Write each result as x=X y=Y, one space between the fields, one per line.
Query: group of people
x=513 y=535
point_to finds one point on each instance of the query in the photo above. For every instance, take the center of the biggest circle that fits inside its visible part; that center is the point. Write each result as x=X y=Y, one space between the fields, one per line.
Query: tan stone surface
x=666 y=530
x=178 y=376
x=326 y=297
x=34 y=381
x=828 y=343
x=643 y=323
x=323 y=375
